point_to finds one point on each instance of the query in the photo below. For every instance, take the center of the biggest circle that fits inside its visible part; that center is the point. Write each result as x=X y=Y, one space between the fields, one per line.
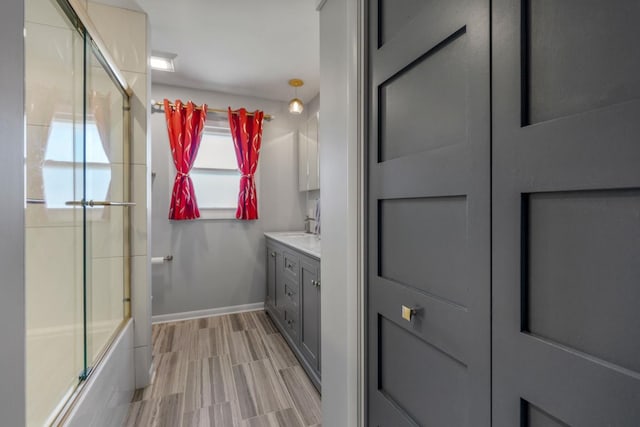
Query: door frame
x=362 y=82
x=349 y=32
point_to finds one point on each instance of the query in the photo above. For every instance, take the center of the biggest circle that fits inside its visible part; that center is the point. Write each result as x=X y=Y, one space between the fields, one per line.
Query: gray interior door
x=566 y=213
x=428 y=285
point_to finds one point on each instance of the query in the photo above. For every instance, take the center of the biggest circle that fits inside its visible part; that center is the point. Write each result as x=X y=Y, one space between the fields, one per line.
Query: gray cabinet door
x=276 y=261
x=428 y=284
x=566 y=213
x=270 y=296
x=310 y=297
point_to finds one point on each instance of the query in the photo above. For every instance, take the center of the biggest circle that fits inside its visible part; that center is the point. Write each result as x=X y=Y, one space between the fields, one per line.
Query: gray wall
x=339 y=181
x=12 y=299
x=221 y=263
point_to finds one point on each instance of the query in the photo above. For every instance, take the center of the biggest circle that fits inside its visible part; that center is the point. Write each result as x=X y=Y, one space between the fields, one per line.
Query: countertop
x=304 y=242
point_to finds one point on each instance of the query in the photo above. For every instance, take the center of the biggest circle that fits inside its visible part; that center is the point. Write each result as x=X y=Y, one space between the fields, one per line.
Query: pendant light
x=295 y=105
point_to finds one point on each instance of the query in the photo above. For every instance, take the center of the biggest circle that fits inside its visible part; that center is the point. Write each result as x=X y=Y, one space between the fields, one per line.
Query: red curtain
x=246 y=131
x=185 y=125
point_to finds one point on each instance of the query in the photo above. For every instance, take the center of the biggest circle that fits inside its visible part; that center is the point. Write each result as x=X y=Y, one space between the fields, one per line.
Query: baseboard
x=173 y=317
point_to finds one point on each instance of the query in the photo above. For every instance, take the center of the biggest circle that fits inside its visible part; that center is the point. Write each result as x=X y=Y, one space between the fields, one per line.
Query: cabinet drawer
x=291 y=325
x=291 y=294
x=291 y=263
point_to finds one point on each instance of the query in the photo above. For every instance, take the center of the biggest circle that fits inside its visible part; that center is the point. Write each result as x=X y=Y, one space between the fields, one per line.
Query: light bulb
x=296 y=106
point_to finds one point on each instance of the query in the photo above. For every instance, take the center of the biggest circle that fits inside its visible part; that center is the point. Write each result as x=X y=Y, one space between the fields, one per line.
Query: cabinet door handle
x=273 y=254
x=318 y=283
x=408 y=312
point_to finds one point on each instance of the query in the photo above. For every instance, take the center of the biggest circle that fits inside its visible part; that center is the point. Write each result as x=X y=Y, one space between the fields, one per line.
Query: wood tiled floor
x=232 y=371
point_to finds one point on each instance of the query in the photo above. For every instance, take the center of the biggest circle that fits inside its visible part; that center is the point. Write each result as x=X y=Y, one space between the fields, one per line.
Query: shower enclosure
x=76 y=209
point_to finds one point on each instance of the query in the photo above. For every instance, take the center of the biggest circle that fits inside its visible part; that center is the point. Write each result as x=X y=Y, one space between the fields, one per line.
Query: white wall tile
x=139 y=106
x=105 y=227
x=104 y=97
x=139 y=212
x=54 y=360
x=36 y=144
x=53 y=268
x=106 y=291
x=105 y=306
x=125 y=34
x=52 y=57
x=45 y=12
x=141 y=300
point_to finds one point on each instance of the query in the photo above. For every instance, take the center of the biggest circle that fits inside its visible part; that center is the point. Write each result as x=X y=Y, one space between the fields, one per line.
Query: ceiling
x=244 y=47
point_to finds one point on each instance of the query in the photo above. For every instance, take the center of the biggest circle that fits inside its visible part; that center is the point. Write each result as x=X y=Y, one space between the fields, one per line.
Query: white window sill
x=229 y=213
x=212 y=213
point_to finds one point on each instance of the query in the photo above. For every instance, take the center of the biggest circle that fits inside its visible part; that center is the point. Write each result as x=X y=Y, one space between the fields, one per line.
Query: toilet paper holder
x=161 y=259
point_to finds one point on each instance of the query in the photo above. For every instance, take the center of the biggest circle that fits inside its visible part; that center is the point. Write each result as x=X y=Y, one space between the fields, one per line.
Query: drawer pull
x=408 y=313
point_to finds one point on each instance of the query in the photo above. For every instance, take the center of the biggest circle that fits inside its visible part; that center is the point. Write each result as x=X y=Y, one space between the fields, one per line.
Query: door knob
x=408 y=312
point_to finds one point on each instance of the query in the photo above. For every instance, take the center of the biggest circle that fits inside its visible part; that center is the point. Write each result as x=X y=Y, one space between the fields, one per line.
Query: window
x=215 y=173
x=63 y=163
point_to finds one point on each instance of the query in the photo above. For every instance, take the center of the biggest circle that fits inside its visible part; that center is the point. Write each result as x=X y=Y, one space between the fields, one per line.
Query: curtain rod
x=158 y=107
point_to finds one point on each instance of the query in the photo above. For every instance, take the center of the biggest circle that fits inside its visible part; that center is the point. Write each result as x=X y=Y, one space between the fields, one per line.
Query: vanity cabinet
x=293 y=302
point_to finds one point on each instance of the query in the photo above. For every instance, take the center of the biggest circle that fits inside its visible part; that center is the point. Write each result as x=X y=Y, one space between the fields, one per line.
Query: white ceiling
x=244 y=47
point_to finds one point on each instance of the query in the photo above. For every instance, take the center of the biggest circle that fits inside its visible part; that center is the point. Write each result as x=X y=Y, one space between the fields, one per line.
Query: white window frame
x=216 y=213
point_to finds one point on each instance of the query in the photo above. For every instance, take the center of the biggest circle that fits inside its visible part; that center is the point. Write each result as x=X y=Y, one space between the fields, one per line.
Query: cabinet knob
x=408 y=312
x=273 y=254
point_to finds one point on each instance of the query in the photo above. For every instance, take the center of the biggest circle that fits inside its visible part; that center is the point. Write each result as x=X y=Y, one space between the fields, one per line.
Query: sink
x=307 y=242
x=304 y=236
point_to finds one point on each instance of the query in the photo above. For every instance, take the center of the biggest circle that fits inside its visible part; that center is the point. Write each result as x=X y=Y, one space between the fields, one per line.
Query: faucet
x=307 y=224
x=317 y=218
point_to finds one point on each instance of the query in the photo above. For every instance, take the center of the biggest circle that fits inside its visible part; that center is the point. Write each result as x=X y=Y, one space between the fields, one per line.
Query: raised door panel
x=310 y=300
x=270 y=296
x=566 y=210
x=279 y=296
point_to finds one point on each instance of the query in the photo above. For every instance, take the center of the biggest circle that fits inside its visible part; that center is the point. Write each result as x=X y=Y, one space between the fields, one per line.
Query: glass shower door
x=54 y=158
x=76 y=216
x=107 y=212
